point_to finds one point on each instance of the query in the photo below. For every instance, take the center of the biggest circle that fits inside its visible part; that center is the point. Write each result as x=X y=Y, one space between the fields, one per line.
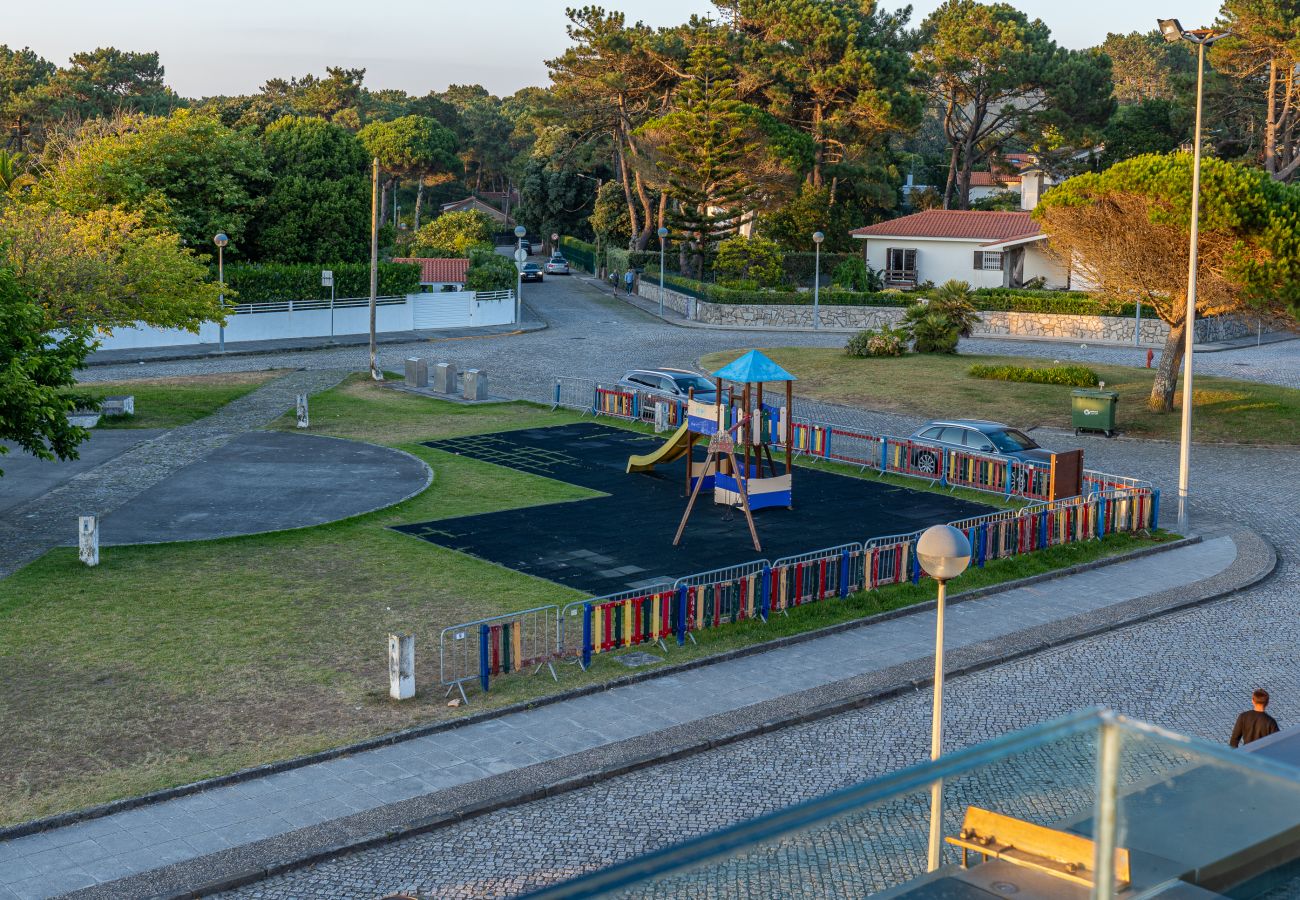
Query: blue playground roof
x=752 y=367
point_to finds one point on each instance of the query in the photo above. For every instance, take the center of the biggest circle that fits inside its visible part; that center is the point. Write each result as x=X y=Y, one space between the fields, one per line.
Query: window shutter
x=979 y=259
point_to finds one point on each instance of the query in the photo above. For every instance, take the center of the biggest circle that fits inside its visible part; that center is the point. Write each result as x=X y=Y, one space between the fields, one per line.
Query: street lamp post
x=1202 y=37
x=944 y=553
x=663 y=236
x=221 y=240
x=520 y=231
x=818 y=237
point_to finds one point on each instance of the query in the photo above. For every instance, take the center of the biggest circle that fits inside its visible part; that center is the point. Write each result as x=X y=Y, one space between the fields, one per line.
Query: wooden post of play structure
x=744 y=402
x=789 y=427
x=690 y=439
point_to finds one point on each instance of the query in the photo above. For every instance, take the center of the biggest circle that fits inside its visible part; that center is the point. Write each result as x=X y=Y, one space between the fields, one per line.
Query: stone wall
x=1098 y=329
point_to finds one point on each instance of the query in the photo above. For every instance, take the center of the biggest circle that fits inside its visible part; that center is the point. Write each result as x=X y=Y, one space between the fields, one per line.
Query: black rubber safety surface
x=624 y=540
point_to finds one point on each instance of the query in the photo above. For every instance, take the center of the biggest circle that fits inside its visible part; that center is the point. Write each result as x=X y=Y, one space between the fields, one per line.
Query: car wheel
x=926 y=463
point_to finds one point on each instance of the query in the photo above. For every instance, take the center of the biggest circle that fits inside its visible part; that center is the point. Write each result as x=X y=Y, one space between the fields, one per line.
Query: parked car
x=557 y=265
x=531 y=272
x=527 y=246
x=670 y=384
x=977 y=436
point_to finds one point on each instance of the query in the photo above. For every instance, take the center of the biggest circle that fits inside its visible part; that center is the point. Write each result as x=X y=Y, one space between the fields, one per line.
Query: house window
x=988 y=261
x=900 y=266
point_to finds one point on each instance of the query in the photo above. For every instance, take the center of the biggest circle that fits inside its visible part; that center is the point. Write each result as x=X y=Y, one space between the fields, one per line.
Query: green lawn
x=939 y=386
x=171 y=663
x=179 y=400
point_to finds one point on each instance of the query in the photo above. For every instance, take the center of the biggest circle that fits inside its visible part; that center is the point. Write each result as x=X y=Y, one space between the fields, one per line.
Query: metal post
x=331 y=308
x=661 y=277
x=1107 y=814
x=519 y=280
x=1137 y=325
x=817 y=283
x=374 y=266
x=221 y=277
x=936 y=735
x=1189 y=321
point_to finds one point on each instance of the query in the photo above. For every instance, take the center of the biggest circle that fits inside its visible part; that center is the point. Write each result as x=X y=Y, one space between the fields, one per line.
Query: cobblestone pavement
x=29 y=530
x=1190 y=671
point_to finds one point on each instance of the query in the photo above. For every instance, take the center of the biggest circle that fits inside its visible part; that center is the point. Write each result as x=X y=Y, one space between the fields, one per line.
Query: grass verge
x=1226 y=410
x=271 y=646
x=178 y=400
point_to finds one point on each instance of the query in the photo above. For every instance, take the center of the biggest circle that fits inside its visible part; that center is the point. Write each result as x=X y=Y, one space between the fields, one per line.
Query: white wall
x=937 y=261
x=455 y=309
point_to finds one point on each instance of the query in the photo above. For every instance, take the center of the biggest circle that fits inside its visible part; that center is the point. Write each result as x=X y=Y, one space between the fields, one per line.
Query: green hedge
x=277 y=282
x=1061 y=303
x=580 y=253
x=1070 y=376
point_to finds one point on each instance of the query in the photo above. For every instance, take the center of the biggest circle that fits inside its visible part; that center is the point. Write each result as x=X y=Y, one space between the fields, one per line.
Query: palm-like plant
x=13 y=177
x=952 y=300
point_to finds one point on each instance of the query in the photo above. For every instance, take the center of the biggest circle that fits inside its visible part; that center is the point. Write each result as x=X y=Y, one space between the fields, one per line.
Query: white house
x=986 y=249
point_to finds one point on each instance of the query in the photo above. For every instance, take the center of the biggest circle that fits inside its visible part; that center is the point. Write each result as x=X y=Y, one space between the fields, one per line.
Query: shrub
x=1071 y=376
x=952 y=301
x=882 y=342
x=929 y=331
x=855 y=275
x=754 y=259
x=277 y=282
x=490 y=271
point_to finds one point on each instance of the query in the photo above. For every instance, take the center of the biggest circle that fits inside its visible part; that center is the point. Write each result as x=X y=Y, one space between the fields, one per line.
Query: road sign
x=326 y=278
x=521 y=255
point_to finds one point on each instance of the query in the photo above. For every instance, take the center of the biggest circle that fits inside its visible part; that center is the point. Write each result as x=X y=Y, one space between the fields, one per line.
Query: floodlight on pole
x=221 y=241
x=663 y=236
x=1173 y=32
x=944 y=553
x=818 y=237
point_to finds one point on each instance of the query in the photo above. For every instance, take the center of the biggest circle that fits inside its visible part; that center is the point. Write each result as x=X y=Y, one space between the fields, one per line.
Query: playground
x=624 y=539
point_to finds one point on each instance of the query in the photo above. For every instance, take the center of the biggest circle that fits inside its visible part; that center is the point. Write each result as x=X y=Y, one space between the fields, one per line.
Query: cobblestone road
x=1191 y=672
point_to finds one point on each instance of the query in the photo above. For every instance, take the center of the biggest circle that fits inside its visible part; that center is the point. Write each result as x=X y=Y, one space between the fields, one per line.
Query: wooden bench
x=1058 y=853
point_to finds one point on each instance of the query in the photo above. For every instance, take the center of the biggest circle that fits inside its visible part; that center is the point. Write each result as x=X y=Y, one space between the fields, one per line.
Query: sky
x=233 y=46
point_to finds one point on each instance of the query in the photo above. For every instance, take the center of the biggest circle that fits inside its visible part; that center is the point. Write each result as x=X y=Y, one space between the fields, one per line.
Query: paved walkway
x=137 y=841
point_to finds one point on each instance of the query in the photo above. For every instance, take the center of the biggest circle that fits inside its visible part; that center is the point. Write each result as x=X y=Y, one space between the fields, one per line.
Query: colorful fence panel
x=729 y=594
x=889 y=560
x=616 y=402
x=810 y=577
x=908 y=457
x=855 y=447
x=810 y=438
x=601 y=624
x=487 y=648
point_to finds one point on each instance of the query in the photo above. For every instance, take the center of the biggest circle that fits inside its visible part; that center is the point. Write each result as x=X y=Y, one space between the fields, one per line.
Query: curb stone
x=1255 y=561
x=61 y=820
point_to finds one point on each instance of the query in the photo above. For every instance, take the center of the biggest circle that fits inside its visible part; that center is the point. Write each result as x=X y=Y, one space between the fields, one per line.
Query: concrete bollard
x=444 y=378
x=401 y=666
x=88 y=540
x=417 y=372
x=661 y=416
x=475 y=385
x=303 y=420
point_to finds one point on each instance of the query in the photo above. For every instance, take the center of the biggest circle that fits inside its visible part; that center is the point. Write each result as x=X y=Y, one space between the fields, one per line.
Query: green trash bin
x=1093 y=410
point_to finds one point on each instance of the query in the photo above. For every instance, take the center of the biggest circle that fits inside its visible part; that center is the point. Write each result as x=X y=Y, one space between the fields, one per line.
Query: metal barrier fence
x=729 y=594
x=890 y=560
x=574 y=393
x=280 y=306
x=613 y=401
x=498 y=645
x=855 y=447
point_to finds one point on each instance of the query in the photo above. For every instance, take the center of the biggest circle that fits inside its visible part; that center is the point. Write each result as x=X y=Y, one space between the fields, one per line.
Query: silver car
x=557 y=265
x=670 y=384
x=978 y=436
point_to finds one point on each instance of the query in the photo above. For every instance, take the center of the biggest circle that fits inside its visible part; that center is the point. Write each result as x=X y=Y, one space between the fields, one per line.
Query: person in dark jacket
x=1254 y=723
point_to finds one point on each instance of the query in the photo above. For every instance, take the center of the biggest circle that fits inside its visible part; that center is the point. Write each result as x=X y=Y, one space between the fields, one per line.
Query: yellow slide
x=674 y=450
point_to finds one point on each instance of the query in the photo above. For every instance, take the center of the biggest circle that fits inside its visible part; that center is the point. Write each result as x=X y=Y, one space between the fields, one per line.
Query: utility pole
x=375 y=372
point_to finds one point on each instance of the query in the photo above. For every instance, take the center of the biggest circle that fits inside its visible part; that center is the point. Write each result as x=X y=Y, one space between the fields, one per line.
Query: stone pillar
x=417 y=372
x=88 y=539
x=475 y=385
x=661 y=416
x=401 y=666
x=444 y=378
x=303 y=420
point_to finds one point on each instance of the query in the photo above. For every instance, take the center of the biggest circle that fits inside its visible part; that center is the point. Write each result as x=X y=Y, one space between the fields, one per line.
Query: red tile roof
x=439 y=271
x=989 y=179
x=974 y=225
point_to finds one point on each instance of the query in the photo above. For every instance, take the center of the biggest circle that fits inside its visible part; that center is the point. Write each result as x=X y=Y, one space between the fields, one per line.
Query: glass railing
x=1033 y=814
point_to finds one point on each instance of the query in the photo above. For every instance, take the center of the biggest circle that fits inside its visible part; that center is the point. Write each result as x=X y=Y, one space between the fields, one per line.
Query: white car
x=557 y=265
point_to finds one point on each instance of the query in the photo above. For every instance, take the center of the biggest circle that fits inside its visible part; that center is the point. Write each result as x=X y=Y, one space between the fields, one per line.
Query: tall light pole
x=221 y=240
x=375 y=373
x=520 y=257
x=944 y=553
x=1202 y=37
x=818 y=237
x=663 y=236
